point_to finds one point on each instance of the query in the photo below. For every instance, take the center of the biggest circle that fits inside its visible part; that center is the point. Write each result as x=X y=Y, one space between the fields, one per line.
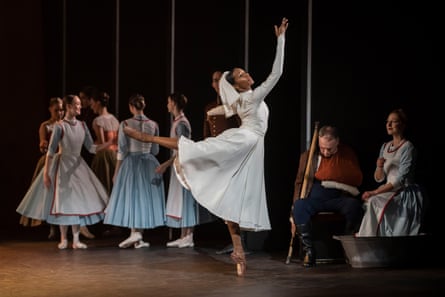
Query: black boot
x=351 y=228
x=304 y=232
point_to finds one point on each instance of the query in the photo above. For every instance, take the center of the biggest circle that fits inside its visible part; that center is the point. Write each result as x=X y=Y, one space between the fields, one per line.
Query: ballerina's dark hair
x=138 y=101
x=179 y=99
x=229 y=77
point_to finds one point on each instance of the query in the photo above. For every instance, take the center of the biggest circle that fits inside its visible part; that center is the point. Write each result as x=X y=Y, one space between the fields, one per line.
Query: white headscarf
x=228 y=95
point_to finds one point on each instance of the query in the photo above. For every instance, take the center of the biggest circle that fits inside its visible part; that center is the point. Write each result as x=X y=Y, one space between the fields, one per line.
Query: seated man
x=332 y=183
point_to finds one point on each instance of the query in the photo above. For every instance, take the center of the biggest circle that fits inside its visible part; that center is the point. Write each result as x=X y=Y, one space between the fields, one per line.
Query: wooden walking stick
x=303 y=190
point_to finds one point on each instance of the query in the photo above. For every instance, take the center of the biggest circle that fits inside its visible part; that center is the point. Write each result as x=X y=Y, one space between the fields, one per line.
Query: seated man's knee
x=301 y=213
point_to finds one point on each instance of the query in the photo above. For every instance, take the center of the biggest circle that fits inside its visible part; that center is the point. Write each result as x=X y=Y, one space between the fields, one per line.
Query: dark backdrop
x=368 y=58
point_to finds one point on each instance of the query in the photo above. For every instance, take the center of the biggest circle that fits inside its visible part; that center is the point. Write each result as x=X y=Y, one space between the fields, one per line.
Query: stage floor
x=35 y=267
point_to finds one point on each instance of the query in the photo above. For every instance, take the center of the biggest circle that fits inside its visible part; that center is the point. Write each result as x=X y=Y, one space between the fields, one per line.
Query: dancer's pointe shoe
x=63 y=244
x=141 y=244
x=86 y=233
x=134 y=238
x=79 y=245
x=240 y=261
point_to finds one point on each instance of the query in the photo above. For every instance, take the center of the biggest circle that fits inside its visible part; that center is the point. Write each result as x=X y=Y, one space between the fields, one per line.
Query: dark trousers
x=321 y=199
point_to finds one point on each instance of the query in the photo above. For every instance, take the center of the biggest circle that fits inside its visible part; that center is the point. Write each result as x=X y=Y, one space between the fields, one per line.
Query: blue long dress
x=137 y=199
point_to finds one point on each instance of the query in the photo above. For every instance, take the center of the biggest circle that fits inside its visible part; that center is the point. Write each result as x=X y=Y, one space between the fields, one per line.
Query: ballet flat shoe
x=174 y=243
x=134 y=238
x=79 y=245
x=186 y=242
x=63 y=244
x=141 y=244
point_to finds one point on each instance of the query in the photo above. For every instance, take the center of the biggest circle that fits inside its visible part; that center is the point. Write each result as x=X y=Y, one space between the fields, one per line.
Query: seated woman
x=397 y=206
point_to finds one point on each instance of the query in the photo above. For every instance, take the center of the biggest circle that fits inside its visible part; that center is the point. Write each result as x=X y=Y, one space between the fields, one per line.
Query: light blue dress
x=182 y=208
x=137 y=199
x=400 y=211
x=226 y=173
x=76 y=196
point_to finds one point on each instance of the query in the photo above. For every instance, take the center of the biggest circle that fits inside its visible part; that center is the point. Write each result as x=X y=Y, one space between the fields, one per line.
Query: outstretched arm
x=168 y=142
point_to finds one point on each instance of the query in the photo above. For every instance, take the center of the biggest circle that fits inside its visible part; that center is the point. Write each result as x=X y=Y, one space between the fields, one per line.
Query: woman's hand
x=161 y=168
x=43 y=146
x=366 y=195
x=382 y=189
x=283 y=27
x=46 y=180
x=380 y=162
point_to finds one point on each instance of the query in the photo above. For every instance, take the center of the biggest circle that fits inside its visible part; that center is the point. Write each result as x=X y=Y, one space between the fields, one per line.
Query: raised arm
x=277 y=68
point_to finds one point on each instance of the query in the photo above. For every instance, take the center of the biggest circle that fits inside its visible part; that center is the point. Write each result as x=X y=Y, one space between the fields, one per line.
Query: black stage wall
x=368 y=57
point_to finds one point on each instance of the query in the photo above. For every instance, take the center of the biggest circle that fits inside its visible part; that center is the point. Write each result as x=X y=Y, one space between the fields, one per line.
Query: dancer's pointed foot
x=85 y=232
x=240 y=261
x=52 y=232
